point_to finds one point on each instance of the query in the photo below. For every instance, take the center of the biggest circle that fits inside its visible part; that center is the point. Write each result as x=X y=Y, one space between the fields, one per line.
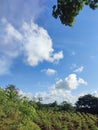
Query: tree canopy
x=87 y=103
x=67 y=10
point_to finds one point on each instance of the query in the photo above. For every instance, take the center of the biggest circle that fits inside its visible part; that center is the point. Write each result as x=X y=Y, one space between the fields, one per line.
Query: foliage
x=65 y=106
x=87 y=103
x=15 y=111
x=11 y=92
x=67 y=10
x=21 y=113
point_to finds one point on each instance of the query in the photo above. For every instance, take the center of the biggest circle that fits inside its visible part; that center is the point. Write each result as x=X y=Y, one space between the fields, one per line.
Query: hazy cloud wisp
x=79 y=70
x=49 y=71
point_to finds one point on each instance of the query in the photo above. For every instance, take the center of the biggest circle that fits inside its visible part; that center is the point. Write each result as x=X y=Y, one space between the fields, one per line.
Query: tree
x=65 y=106
x=87 y=103
x=16 y=113
x=67 y=10
x=12 y=92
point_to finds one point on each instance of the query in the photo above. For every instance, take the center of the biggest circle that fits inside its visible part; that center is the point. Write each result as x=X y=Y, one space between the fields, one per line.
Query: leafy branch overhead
x=67 y=10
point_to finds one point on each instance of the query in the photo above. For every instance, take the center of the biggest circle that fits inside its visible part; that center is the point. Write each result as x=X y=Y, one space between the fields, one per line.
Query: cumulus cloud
x=49 y=71
x=38 y=45
x=11 y=33
x=31 y=41
x=79 y=70
x=69 y=83
x=62 y=90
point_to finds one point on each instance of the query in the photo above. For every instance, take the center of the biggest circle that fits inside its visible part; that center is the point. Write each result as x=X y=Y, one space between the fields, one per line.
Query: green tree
x=12 y=92
x=67 y=10
x=16 y=113
x=27 y=108
x=65 y=106
x=87 y=103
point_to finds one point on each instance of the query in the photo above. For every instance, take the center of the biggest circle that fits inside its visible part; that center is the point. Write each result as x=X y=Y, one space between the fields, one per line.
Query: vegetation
x=15 y=112
x=67 y=10
x=87 y=103
x=21 y=113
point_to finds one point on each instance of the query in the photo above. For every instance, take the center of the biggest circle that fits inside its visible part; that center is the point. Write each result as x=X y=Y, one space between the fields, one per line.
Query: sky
x=44 y=58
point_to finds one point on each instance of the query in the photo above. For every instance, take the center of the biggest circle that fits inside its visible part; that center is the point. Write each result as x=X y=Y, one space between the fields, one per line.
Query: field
x=66 y=121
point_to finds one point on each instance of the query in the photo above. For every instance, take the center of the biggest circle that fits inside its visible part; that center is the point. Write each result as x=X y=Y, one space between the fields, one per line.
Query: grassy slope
x=49 y=121
x=66 y=121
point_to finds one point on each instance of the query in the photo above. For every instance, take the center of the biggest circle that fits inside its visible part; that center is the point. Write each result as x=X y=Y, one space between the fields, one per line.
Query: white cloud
x=38 y=45
x=24 y=94
x=10 y=46
x=4 y=65
x=55 y=95
x=79 y=70
x=62 y=90
x=49 y=71
x=95 y=93
x=11 y=33
x=31 y=9
x=10 y=40
x=56 y=57
x=69 y=83
x=31 y=41
x=60 y=95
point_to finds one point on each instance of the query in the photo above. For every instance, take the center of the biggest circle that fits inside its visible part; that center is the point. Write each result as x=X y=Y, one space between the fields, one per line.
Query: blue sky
x=44 y=58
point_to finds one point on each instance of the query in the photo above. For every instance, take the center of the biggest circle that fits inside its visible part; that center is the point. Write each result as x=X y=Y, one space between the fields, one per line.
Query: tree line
x=87 y=103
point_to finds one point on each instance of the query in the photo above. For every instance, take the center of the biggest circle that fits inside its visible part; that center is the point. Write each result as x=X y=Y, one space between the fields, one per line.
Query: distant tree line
x=10 y=95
